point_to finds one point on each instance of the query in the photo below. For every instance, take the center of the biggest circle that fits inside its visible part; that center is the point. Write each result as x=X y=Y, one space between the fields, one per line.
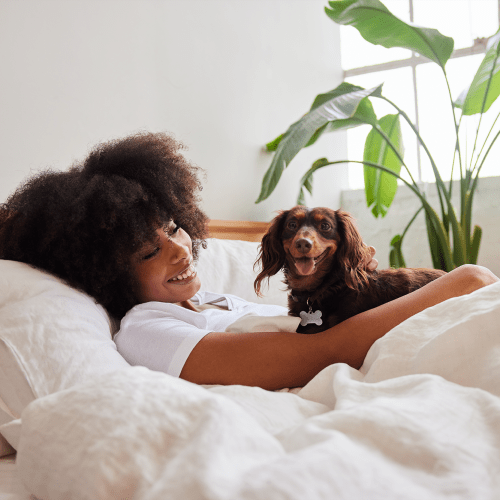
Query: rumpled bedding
x=420 y=420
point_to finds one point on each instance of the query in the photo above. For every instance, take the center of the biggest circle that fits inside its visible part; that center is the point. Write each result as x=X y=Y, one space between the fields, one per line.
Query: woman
x=124 y=226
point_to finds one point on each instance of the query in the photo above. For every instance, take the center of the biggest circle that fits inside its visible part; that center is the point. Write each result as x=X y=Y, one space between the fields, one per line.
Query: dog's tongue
x=305 y=266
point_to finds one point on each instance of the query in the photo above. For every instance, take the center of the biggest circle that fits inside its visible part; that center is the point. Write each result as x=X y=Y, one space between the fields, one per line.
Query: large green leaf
x=379 y=26
x=485 y=87
x=439 y=252
x=364 y=114
x=381 y=187
x=342 y=89
x=396 y=258
x=476 y=241
x=339 y=108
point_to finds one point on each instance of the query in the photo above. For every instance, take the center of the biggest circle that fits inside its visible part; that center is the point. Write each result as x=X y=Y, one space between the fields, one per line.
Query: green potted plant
x=453 y=240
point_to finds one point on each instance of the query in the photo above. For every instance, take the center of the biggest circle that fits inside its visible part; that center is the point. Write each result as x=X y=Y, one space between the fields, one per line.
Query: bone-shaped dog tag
x=310 y=317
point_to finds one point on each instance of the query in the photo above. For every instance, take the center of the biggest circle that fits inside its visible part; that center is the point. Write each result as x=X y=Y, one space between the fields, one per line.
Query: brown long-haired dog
x=325 y=261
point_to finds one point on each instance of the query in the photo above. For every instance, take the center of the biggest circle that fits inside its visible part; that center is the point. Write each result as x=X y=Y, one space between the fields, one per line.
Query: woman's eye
x=325 y=226
x=150 y=255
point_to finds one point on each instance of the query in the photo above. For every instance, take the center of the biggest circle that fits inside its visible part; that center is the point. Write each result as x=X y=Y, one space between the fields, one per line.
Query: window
x=419 y=88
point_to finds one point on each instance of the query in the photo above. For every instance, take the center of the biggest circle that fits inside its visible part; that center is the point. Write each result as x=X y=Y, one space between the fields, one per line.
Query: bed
x=419 y=420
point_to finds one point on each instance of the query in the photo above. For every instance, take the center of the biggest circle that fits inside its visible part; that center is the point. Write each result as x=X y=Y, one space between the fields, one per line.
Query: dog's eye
x=325 y=226
x=292 y=225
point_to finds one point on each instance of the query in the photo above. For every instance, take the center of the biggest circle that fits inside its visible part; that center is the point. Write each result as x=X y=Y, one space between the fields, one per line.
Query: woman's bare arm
x=275 y=360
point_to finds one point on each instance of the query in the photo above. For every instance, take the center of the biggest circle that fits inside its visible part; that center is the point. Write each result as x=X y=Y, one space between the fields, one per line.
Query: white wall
x=379 y=232
x=225 y=76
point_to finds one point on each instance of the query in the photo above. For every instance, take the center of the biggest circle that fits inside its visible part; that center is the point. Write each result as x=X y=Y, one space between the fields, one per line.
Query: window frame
x=478 y=47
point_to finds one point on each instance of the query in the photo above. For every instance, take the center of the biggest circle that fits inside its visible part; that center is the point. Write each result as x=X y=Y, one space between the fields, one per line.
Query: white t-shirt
x=161 y=336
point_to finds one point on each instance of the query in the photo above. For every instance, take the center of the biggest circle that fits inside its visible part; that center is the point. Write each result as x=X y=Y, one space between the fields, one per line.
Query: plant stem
x=411 y=222
x=475 y=140
x=484 y=158
x=484 y=144
x=426 y=149
x=483 y=105
x=407 y=118
x=472 y=189
x=459 y=238
x=396 y=152
x=451 y=216
x=450 y=190
x=457 y=143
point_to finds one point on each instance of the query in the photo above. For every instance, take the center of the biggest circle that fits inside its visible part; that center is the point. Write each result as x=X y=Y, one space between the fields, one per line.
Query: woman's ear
x=271 y=256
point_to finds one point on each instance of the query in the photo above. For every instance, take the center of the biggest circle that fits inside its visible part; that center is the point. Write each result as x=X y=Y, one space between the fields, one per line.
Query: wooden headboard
x=237 y=229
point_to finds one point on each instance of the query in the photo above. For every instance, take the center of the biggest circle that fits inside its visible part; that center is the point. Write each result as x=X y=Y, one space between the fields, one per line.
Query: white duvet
x=420 y=420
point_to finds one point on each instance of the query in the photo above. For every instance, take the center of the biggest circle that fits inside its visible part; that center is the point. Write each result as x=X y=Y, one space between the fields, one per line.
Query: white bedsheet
x=10 y=484
x=420 y=420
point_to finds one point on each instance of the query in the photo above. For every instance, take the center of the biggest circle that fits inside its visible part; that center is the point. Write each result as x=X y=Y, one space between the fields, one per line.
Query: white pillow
x=51 y=337
x=226 y=266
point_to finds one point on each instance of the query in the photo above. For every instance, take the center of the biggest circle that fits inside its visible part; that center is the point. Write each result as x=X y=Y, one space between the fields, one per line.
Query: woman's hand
x=274 y=360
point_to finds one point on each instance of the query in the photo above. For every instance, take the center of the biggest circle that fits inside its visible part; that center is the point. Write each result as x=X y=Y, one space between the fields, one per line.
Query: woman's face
x=164 y=269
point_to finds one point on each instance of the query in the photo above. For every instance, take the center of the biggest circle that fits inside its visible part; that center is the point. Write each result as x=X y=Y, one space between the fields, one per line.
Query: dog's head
x=308 y=244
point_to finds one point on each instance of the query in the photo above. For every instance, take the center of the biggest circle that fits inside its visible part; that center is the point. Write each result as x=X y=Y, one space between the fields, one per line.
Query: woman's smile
x=185 y=277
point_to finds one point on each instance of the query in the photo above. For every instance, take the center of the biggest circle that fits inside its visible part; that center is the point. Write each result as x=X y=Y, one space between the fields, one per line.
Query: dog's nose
x=303 y=245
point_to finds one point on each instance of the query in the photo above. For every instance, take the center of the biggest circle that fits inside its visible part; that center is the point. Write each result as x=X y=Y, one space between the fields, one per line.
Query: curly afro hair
x=83 y=225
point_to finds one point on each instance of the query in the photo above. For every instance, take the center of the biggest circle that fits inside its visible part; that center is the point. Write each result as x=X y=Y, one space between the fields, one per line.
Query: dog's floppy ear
x=352 y=253
x=271 y=256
